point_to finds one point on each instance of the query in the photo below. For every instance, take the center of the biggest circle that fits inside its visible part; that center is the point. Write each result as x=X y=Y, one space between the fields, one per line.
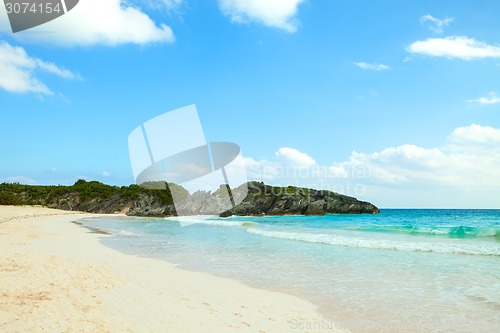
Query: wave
x=450 y=231
x=470 y=249
x=229 y=223
x=127 y=233
x=210 y=220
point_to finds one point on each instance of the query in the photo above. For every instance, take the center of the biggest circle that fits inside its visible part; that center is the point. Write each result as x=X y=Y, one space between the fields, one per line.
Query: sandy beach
x=55 y=276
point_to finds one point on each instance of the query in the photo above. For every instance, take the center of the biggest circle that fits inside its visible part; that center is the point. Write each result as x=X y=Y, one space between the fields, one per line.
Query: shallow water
x=399 y=271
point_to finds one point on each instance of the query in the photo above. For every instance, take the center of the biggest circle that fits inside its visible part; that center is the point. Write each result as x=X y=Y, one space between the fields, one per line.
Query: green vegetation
x=84 y=192
x=9 y=199
x=262 y=190
x=155 y=199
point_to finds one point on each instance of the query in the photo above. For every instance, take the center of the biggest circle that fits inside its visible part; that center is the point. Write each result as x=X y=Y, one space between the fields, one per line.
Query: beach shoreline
x=56 y=276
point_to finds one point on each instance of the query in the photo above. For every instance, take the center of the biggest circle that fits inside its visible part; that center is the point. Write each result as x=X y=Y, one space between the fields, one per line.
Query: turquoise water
x=399 y=271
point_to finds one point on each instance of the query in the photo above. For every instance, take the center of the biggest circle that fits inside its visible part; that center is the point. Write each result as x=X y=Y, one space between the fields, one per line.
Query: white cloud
x=18 y=71
x=261 y=170
x=372 y=67
x=393 y=165
x=53 y=69
x=276 y=13
x=295 y=158
x=289 y=162
x=105 y=174
x=455 y=47
x=110 y=22
x=158 y=4
x=434 y=24
x=475 y=134
x=492 y=98
x=462 y=172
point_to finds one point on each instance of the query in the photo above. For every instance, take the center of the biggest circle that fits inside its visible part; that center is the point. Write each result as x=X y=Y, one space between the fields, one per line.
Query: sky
x=394 y=104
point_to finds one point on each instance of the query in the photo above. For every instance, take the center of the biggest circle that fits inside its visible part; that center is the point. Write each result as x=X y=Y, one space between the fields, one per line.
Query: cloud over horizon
x=467 y=162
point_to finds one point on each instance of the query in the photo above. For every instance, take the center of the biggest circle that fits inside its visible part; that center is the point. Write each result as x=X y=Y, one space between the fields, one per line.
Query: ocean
x=403 y=270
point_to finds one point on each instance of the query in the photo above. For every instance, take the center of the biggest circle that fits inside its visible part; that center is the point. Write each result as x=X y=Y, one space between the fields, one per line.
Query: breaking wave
x=452 y=248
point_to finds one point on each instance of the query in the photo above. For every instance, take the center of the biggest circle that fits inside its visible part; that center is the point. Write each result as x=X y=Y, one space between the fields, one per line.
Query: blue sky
x=395 y=104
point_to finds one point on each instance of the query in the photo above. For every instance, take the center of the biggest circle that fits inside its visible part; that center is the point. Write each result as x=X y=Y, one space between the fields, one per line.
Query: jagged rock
x=255 y=199
x=147 y=205
x=263 y=199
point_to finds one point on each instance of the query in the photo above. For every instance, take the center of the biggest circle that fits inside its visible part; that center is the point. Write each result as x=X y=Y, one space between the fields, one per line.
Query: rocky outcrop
x=148 y=205
x=71 y=201
x=205 y=203
x=255 y=199
x=263 y=199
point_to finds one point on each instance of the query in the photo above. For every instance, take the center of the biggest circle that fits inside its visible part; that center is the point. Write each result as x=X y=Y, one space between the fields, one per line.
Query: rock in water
x=263 y=199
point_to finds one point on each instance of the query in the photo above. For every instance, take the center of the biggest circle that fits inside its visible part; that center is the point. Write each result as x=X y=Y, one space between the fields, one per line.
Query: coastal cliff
x=156 y=200
x=264 y=199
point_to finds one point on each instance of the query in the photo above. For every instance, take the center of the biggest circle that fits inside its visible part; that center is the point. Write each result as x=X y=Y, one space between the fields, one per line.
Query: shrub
x=9 y=199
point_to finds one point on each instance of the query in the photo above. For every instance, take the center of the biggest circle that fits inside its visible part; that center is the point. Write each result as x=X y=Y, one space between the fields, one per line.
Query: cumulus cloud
x=289 y=162
x=261 y=170
x=475 y=134
x=492 y=98
x=372 y=67
x=110 y=22
x=105 y=174
x=434 y=24
x=19 y=71
x=393 y=165
x=277 y=13
x=462 y=172
x=459 y=160
x=460 y=47
x=295 y=158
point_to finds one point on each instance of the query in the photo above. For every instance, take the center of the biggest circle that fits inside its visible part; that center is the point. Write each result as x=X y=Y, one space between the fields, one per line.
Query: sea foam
x=408 y=246
x=210 y=220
